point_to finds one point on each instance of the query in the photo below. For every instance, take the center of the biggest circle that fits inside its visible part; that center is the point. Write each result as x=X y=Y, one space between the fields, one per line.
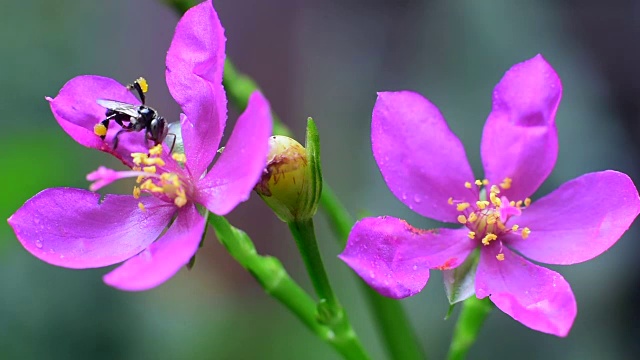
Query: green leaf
x=459 y=283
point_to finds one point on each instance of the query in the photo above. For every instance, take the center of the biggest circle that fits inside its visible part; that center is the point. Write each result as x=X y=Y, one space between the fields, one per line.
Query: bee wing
x=129 y=109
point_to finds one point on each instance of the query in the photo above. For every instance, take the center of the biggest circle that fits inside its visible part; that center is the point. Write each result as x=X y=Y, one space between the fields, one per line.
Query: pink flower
x=74 y=228
x=425 y=166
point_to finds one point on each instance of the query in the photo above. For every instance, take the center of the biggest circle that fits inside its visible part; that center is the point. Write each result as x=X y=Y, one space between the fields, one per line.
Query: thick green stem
x=474 y=312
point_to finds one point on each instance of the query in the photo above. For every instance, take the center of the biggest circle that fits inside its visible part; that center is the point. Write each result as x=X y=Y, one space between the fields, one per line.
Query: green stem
x=474 y=312
x=276 y=282
x=305 y=237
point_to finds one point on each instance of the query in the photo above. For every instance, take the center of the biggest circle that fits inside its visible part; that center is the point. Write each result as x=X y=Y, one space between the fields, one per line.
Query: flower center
x=150 y=177
x=487 y=219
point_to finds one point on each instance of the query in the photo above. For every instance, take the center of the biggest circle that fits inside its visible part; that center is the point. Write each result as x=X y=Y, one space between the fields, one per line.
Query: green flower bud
x=292 y=183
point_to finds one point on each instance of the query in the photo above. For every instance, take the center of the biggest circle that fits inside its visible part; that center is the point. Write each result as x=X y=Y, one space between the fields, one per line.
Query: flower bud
x=291 y=183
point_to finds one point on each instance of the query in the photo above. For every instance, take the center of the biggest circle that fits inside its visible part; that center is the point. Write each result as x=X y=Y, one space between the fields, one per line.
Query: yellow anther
x=495 y=200
x=181 y=199
x=139 y=158
x=141 y=206
x=472 y=217
x=482 y=204
x=491 y=219
x=525 y=232
x=500 y=257
x=143 y=84
x=149 y=169
x=153 y=161
x=149 y=185
x=462 y=206
x=495 y=189
x=489 y=238
x=515 y=227
x=478 y=182
x=467 y=185
x=156 y=150
x=512 y=203
x=139 y=179
x=506 y=183
x=485 y=182
x=100 y=129
x=136 y=192
x=472 y=235
x=462 y=219
x=450 y=201
x=518 y=203
x=527 y=201
x=183 y=159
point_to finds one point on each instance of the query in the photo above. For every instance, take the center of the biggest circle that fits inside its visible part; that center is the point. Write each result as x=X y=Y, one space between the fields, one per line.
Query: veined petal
x=242 y=161
x=394 y=258
x=72 y=228
x=520 y=139
x=580 y=220
x=76 y=110
x=164 y=258
x=537 y=297
x=421 y=160
x=195 y=63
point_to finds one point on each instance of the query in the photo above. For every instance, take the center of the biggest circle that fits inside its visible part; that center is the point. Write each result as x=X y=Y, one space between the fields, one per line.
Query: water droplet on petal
x=417 y=199
x=404 y=196
x=415 y=267
x=372 y=275
x=39 y=244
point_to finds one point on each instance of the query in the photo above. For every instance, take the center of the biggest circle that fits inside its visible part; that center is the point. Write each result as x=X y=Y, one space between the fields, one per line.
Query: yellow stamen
x=141 y=206
x=467 y=185
x=472 y=235
x=495 y=189
x=518 y=203
x=491 y=219
x=472 y=217
x=512 y=203
x=139 y=179
x=515 y=227
x=156 y=150
x=506 y=183
x=495 y=200
x=100 y=129
x=527 y=202
x=179 y=158
x=153 y=161
x=462 y=219
x=139 y=158
x=525 y=232
x=462 y=206
x=143 y=84
x=488 y=238
x=478 y=182
x=500 y=257
x=136 y=192
x=450 y=201
x=482 y=204
x=485 y=182
x=149 y=169
x=181 y=199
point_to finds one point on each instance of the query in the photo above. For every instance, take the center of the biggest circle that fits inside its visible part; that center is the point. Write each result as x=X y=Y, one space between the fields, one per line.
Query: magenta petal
x=421 y=160
x=580 y=220
x=242 y=162
x=195 y=63
x=162 y=259
x=74 y=229
x=394 y=258
x=76 y=110
x=537 y=297
x=520 y=139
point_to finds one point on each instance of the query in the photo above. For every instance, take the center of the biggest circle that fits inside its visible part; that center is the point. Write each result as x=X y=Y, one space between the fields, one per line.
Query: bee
x=133 y=117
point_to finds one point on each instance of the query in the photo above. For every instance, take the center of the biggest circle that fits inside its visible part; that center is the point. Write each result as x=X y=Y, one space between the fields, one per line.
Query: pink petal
x=74 y=229
x=520 y=139
x=537 y=297
x=421 y=160
x=580 y=220
x=76 y=110
x=195 y=63
x=394 y=258
x=242 y=162
x=164 y=258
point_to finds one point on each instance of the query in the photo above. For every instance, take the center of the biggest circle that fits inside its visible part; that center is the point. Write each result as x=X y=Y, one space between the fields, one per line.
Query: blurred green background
x=326 y=59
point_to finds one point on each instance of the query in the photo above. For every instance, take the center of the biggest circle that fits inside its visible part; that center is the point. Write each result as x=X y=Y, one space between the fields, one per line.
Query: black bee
x=133 y=117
